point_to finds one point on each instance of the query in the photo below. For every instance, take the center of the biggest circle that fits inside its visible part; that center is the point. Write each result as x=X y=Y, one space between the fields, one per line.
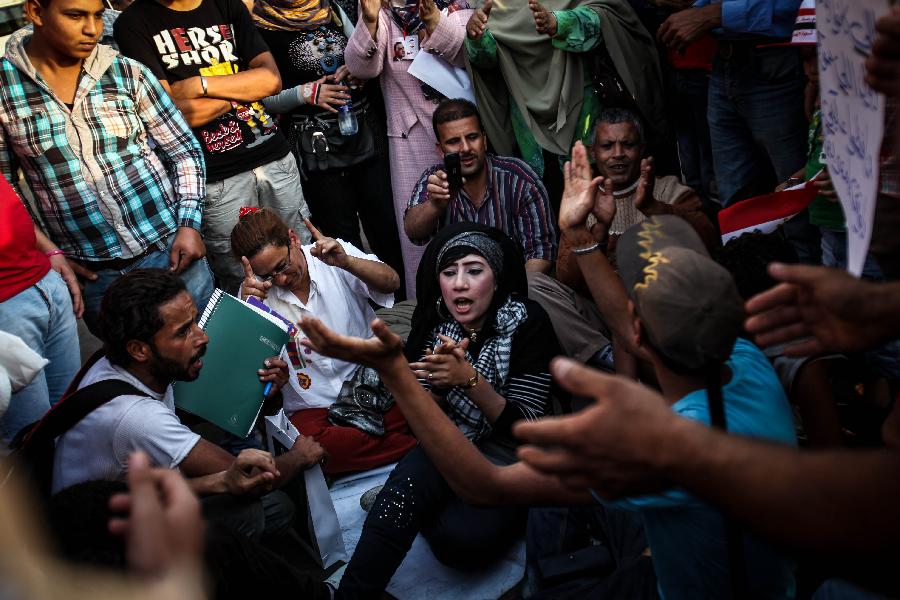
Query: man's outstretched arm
x=630 y=442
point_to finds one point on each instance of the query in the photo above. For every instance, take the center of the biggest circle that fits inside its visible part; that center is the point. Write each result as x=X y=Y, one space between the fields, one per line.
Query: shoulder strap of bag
x=74 y=407
x=734 y=538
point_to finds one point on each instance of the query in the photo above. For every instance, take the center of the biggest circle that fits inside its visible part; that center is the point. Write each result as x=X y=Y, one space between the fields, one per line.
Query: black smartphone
x=453 y=168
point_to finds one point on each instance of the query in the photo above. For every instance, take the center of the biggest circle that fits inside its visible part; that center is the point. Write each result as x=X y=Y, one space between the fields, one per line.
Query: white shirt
x=98 y=447
x=340 y=300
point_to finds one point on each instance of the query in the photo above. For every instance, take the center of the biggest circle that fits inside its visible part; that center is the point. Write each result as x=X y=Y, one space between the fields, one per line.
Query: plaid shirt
x=99 y=187
x=515 y=202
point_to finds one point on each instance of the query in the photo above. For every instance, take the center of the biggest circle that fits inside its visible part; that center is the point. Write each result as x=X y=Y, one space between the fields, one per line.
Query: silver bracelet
x=588 y=249
x=203 y=85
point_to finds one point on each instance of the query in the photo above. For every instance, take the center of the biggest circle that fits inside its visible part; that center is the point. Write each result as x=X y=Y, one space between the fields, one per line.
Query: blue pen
x=267 y=389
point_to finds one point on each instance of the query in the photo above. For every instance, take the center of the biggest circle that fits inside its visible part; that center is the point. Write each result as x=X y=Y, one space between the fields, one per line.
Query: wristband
x=588 y=249
x=204 y=86
x=54 y=253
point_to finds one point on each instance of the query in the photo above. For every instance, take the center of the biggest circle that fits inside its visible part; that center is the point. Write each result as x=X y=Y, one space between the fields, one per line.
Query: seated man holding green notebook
x=334 y=281
x=148 y=322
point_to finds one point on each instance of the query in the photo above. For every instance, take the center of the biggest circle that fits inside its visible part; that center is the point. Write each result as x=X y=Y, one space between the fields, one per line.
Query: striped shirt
x=515 y=202
x=100 y=187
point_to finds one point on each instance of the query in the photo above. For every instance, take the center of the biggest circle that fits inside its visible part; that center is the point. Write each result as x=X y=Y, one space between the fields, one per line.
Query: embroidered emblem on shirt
x=304 y=380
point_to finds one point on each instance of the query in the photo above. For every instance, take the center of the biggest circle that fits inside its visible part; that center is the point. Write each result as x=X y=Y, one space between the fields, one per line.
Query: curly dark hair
x=747 y=258
x=130 y=310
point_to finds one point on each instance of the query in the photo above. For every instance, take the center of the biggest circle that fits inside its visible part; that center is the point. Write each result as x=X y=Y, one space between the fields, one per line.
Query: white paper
x=448 y=79
x=852 y=114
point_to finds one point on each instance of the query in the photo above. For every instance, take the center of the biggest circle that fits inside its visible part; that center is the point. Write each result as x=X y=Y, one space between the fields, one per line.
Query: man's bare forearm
x=422 y=220
x=207 y=485
x=837 y=500
x=200 y=111
x=607 y=291
x=538 y=265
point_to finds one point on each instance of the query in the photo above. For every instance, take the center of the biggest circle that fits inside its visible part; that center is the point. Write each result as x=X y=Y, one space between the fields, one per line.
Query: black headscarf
x=512 y=281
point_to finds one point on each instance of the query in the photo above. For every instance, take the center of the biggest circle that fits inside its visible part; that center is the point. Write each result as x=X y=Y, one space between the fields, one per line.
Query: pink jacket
x=367 y=58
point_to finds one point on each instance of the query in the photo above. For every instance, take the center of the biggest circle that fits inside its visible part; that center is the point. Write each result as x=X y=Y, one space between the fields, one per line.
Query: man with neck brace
x=618 y=156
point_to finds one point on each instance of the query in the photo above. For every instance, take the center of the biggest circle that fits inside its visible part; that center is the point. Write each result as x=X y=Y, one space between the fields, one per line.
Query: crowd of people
x=587 y=365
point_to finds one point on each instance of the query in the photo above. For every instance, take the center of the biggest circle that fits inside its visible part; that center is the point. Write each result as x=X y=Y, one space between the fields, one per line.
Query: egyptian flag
x=765 y=213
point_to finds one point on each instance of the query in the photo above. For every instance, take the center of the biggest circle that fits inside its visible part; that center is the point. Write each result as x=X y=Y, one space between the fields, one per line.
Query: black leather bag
x=318 y=145
x=362 y=402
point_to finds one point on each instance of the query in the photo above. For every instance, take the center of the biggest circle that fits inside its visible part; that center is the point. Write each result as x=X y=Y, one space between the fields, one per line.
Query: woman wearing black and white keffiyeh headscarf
x=483 y=350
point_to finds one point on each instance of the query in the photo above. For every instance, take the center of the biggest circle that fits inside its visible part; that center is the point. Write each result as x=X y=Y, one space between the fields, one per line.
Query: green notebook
x=228 y=392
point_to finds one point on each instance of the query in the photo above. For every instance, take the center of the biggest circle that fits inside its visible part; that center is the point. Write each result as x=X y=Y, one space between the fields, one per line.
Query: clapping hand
x=430 y=14
x=544 y=20
x=327 y=249
x=578 y=197
x=447 y=366
x=477 y=24
x=643 y=196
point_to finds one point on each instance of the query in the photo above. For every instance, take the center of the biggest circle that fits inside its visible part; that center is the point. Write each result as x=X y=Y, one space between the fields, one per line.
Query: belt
x=120 y=264
x=739 y=48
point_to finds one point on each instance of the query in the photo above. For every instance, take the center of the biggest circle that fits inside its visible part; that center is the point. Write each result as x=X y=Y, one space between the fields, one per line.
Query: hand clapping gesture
x=544 y=20
x=643 y=196
x=477 y=24
x=447 y=366
x=430 y=14
x=327 y=249
x=582 y=196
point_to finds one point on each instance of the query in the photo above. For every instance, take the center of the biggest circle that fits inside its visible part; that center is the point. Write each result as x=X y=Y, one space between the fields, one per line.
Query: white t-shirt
x=340 y=300
x=97 y=448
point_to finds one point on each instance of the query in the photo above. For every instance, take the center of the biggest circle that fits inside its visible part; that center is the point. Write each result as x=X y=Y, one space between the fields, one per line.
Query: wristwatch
x=473 y=380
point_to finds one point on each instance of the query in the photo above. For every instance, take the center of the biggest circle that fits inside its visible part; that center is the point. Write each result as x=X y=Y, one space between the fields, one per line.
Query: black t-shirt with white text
x=216 y=38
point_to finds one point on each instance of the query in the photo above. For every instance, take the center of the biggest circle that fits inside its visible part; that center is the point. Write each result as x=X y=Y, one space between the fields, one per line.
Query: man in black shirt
x=210 y=58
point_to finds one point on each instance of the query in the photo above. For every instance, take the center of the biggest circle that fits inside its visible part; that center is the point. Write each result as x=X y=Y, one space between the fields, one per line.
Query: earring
x=438 y=306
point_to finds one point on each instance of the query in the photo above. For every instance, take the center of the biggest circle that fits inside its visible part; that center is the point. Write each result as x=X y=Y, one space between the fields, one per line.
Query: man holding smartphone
x=497 y=191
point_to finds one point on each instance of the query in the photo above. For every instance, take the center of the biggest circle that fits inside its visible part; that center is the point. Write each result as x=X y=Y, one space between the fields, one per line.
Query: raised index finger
x=316 y=234
x=248 y=270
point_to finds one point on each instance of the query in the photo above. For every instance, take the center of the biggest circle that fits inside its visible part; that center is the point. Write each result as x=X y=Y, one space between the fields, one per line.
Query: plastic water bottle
x=347 y=120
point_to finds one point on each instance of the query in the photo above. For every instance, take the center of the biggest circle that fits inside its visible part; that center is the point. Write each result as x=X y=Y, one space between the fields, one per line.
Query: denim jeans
x=197 y=277
x=274 y=185
x=758 y=129
x=691 y=99
x=42 y=316
x=756 y=120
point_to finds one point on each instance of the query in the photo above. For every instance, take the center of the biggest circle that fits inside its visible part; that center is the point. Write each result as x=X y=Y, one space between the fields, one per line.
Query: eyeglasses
x=278 y=271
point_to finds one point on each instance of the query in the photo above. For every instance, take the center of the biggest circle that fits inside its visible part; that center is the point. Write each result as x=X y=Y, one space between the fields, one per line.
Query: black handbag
x=362 y=402
x=318 y=145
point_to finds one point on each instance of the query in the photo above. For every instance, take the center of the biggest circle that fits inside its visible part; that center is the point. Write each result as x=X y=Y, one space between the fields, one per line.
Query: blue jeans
x=756 y=120
x=758 y=129
x=692 y=130
x=197 y=277
x=42 y=316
